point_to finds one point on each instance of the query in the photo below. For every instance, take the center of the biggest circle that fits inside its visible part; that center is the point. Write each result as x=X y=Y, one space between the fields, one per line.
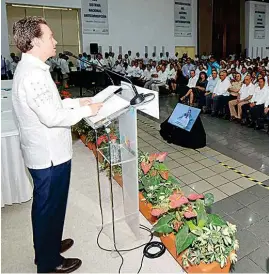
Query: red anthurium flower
x=161 y=156
x=177 y=200
x=164 y=174
x=190 y=214
x=194 y=196
x=158 y=211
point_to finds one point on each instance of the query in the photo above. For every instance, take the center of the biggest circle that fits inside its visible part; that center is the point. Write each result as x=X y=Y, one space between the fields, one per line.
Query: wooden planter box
x=169 y=241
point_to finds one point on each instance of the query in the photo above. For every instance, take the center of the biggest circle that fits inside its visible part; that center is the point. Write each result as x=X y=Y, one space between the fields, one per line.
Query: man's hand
x=252 y=105
x=95 y=108
x=266 y=110
x=207 y=93
x=85 y=101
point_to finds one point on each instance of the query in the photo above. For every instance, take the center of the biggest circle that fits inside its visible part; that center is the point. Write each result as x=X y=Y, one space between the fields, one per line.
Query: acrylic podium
x=121 y=222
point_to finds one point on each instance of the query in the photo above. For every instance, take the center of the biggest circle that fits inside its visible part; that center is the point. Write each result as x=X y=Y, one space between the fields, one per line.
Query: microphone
x=139 y=98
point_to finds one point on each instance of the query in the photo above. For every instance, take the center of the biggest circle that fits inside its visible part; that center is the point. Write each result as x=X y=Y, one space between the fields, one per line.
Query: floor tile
x=259 y=191
x=244 y=182
x=218 y=195
x=245 y=198
x=207 y=162
x=218 y=168
x=228 y=205
x=246 y=265
x=217 y=180
x=194 y=166
x=189 y=152
x=211 y=152
x=172 y=164
x=230 y=175
x=245 y=217
x=260 y=257
x=259 y=176
x=230 y=188
x=148 y=137
x=205 y=173
x=261 y=229
x=201 y=186
x=166 y=149
x=261 y=207
x=190 y=178
x=179 y=171
x=246 y=169
x=187 y=190
x=156 y=142
x=215 y=210
x=204 y=148
x=248 y=243
x=150 y=149
x=176 y=155
x=197 y=157
x=233 y=163
x=222 y=158
x=185 y=160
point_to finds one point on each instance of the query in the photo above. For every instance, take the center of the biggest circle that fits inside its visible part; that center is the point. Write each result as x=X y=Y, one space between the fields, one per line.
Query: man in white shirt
x=44 y=122
x=258 y=103
x=161 y=81
x=245 y=94
x=220 y=90
x=192 y=80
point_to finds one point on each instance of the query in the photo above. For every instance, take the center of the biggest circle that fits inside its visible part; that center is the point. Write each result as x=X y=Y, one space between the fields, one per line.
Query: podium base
x=194 y=139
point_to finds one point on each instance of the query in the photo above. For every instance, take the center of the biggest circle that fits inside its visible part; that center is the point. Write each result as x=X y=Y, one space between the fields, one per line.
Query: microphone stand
x=136 y=100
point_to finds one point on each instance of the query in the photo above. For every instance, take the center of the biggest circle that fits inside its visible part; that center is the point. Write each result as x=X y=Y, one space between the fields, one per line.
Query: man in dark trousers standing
x=44 y=122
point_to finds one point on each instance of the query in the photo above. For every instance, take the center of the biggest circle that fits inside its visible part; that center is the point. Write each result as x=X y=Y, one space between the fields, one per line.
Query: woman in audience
x=198 y=91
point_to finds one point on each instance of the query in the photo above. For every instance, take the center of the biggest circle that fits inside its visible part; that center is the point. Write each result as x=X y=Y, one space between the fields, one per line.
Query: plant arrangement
x=199 y=237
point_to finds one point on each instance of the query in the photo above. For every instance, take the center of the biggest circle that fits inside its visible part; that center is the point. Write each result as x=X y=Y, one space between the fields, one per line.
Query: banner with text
x=95 y=16
x=183 y=18
x=259 y=21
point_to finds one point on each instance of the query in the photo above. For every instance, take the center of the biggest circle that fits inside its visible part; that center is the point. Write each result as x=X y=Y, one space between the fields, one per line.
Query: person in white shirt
x=244 y=73
x=44 y=122
x=245 y=94
x=193 y=79
x=64 y=70
x=146 y=59
x=258 y=103
x=220 y=90
x=161 y=81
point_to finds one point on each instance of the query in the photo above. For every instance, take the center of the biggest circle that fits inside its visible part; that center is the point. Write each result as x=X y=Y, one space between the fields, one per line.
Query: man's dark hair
x=25 y=30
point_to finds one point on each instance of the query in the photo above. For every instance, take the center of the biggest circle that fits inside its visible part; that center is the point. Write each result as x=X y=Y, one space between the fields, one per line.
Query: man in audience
x=192 y=80
x=44 y=122
x=161 y=80
x=244 y=73
x=146 y=59
x=212 y=64
x=212 y=82
x=220 y=90
x=245 y=94
x=186 y=69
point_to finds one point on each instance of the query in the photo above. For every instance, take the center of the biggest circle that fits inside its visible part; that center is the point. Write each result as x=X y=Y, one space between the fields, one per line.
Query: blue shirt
x=214 y=65
x=211 y=84
x=82 y=64
x=186 y=69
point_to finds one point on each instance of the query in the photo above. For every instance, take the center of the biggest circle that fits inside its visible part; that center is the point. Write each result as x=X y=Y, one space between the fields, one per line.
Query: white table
x=16 y=184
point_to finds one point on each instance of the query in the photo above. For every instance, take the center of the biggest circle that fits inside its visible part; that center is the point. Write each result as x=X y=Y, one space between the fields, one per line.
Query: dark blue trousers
x=51 y=186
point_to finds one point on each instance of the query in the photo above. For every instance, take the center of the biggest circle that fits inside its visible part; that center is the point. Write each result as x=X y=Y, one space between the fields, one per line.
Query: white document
x=110 y=107
x=105 y=94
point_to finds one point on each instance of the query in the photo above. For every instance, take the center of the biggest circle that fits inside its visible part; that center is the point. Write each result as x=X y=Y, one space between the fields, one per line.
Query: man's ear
x=35 y=42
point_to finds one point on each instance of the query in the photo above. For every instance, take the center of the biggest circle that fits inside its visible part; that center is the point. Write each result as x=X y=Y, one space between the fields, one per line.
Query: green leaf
x=216 y=220
x=162 y=167
x=184 y=239
x=201 y=213
x=163 y=225
x=191 y=225
x=209 y=199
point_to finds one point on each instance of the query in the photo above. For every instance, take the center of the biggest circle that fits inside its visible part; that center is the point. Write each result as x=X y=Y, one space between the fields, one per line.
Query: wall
x=133 y=24
x=205 y=26
x=256 y=47
x=4 y=31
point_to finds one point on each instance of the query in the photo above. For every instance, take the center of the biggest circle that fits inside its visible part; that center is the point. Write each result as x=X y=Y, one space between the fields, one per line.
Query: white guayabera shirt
x=44 y=120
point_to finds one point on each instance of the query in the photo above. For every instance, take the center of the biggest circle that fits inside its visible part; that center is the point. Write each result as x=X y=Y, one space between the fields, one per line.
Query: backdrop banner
x=183 y=18
x=259 y=21
x=95 y=16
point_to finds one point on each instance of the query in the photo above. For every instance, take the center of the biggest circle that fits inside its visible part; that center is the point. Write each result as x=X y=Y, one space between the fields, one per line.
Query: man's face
x=192 y=73
x=261 y=83
x=244 y=70
x=247 y=80
x=222 y=76
x=188 y=61
x=214 y=74
x=46 y=44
